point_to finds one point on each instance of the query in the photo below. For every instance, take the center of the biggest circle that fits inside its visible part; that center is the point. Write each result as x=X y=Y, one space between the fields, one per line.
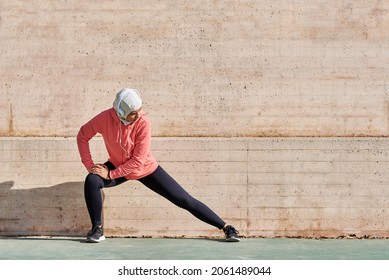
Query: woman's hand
x=101 y=170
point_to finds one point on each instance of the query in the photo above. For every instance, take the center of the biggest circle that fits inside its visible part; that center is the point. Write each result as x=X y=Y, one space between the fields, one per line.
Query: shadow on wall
x=58 y=210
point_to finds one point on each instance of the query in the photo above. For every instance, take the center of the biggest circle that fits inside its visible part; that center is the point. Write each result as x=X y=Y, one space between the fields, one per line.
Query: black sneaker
x=231 y=234
x=95 y=235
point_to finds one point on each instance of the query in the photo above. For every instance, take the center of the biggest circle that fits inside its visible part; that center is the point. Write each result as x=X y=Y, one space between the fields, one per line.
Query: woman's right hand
x=101 y=170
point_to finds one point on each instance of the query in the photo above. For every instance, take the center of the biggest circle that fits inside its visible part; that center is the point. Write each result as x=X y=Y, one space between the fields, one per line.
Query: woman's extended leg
x=163 y=184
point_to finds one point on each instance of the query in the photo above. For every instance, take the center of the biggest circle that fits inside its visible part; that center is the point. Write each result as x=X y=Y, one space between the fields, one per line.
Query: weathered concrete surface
x=205 y=68
x=309 y=187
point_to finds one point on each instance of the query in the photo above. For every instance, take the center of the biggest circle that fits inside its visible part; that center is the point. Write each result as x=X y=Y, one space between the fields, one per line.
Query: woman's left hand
x=101 y=170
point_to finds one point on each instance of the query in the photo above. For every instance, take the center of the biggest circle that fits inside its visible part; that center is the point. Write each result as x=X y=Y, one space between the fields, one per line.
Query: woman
x=127 y=133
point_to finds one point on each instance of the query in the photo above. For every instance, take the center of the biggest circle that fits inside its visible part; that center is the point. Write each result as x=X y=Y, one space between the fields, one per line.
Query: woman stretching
x=127 y=133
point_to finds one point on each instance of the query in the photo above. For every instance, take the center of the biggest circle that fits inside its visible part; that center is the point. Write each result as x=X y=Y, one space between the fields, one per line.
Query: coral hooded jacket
x=128 y=146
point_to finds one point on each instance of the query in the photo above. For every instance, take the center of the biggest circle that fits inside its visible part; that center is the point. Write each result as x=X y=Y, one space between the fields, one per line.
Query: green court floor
x=56 y=248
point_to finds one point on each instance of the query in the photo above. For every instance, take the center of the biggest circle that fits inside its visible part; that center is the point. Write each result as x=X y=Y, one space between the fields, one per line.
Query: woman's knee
x=93 y=181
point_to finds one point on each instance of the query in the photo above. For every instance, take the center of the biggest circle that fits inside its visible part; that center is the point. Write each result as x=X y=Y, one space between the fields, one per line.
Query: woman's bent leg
x=92 y=192
x=94 y=202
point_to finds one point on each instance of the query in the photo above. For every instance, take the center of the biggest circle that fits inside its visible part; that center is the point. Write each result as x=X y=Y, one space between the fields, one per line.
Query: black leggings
x=160 y=182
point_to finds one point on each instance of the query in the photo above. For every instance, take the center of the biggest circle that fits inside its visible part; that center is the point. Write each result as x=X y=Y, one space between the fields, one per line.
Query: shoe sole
x=90 y=240
x=233 y=239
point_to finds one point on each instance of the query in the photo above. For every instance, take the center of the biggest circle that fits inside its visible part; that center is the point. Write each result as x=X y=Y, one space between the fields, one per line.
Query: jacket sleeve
x=135 y=165
x=87 y=132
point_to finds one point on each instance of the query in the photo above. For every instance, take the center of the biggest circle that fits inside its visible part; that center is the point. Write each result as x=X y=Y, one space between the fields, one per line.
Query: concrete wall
x=230 y=87
x=224 y=68
x=309 y=187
